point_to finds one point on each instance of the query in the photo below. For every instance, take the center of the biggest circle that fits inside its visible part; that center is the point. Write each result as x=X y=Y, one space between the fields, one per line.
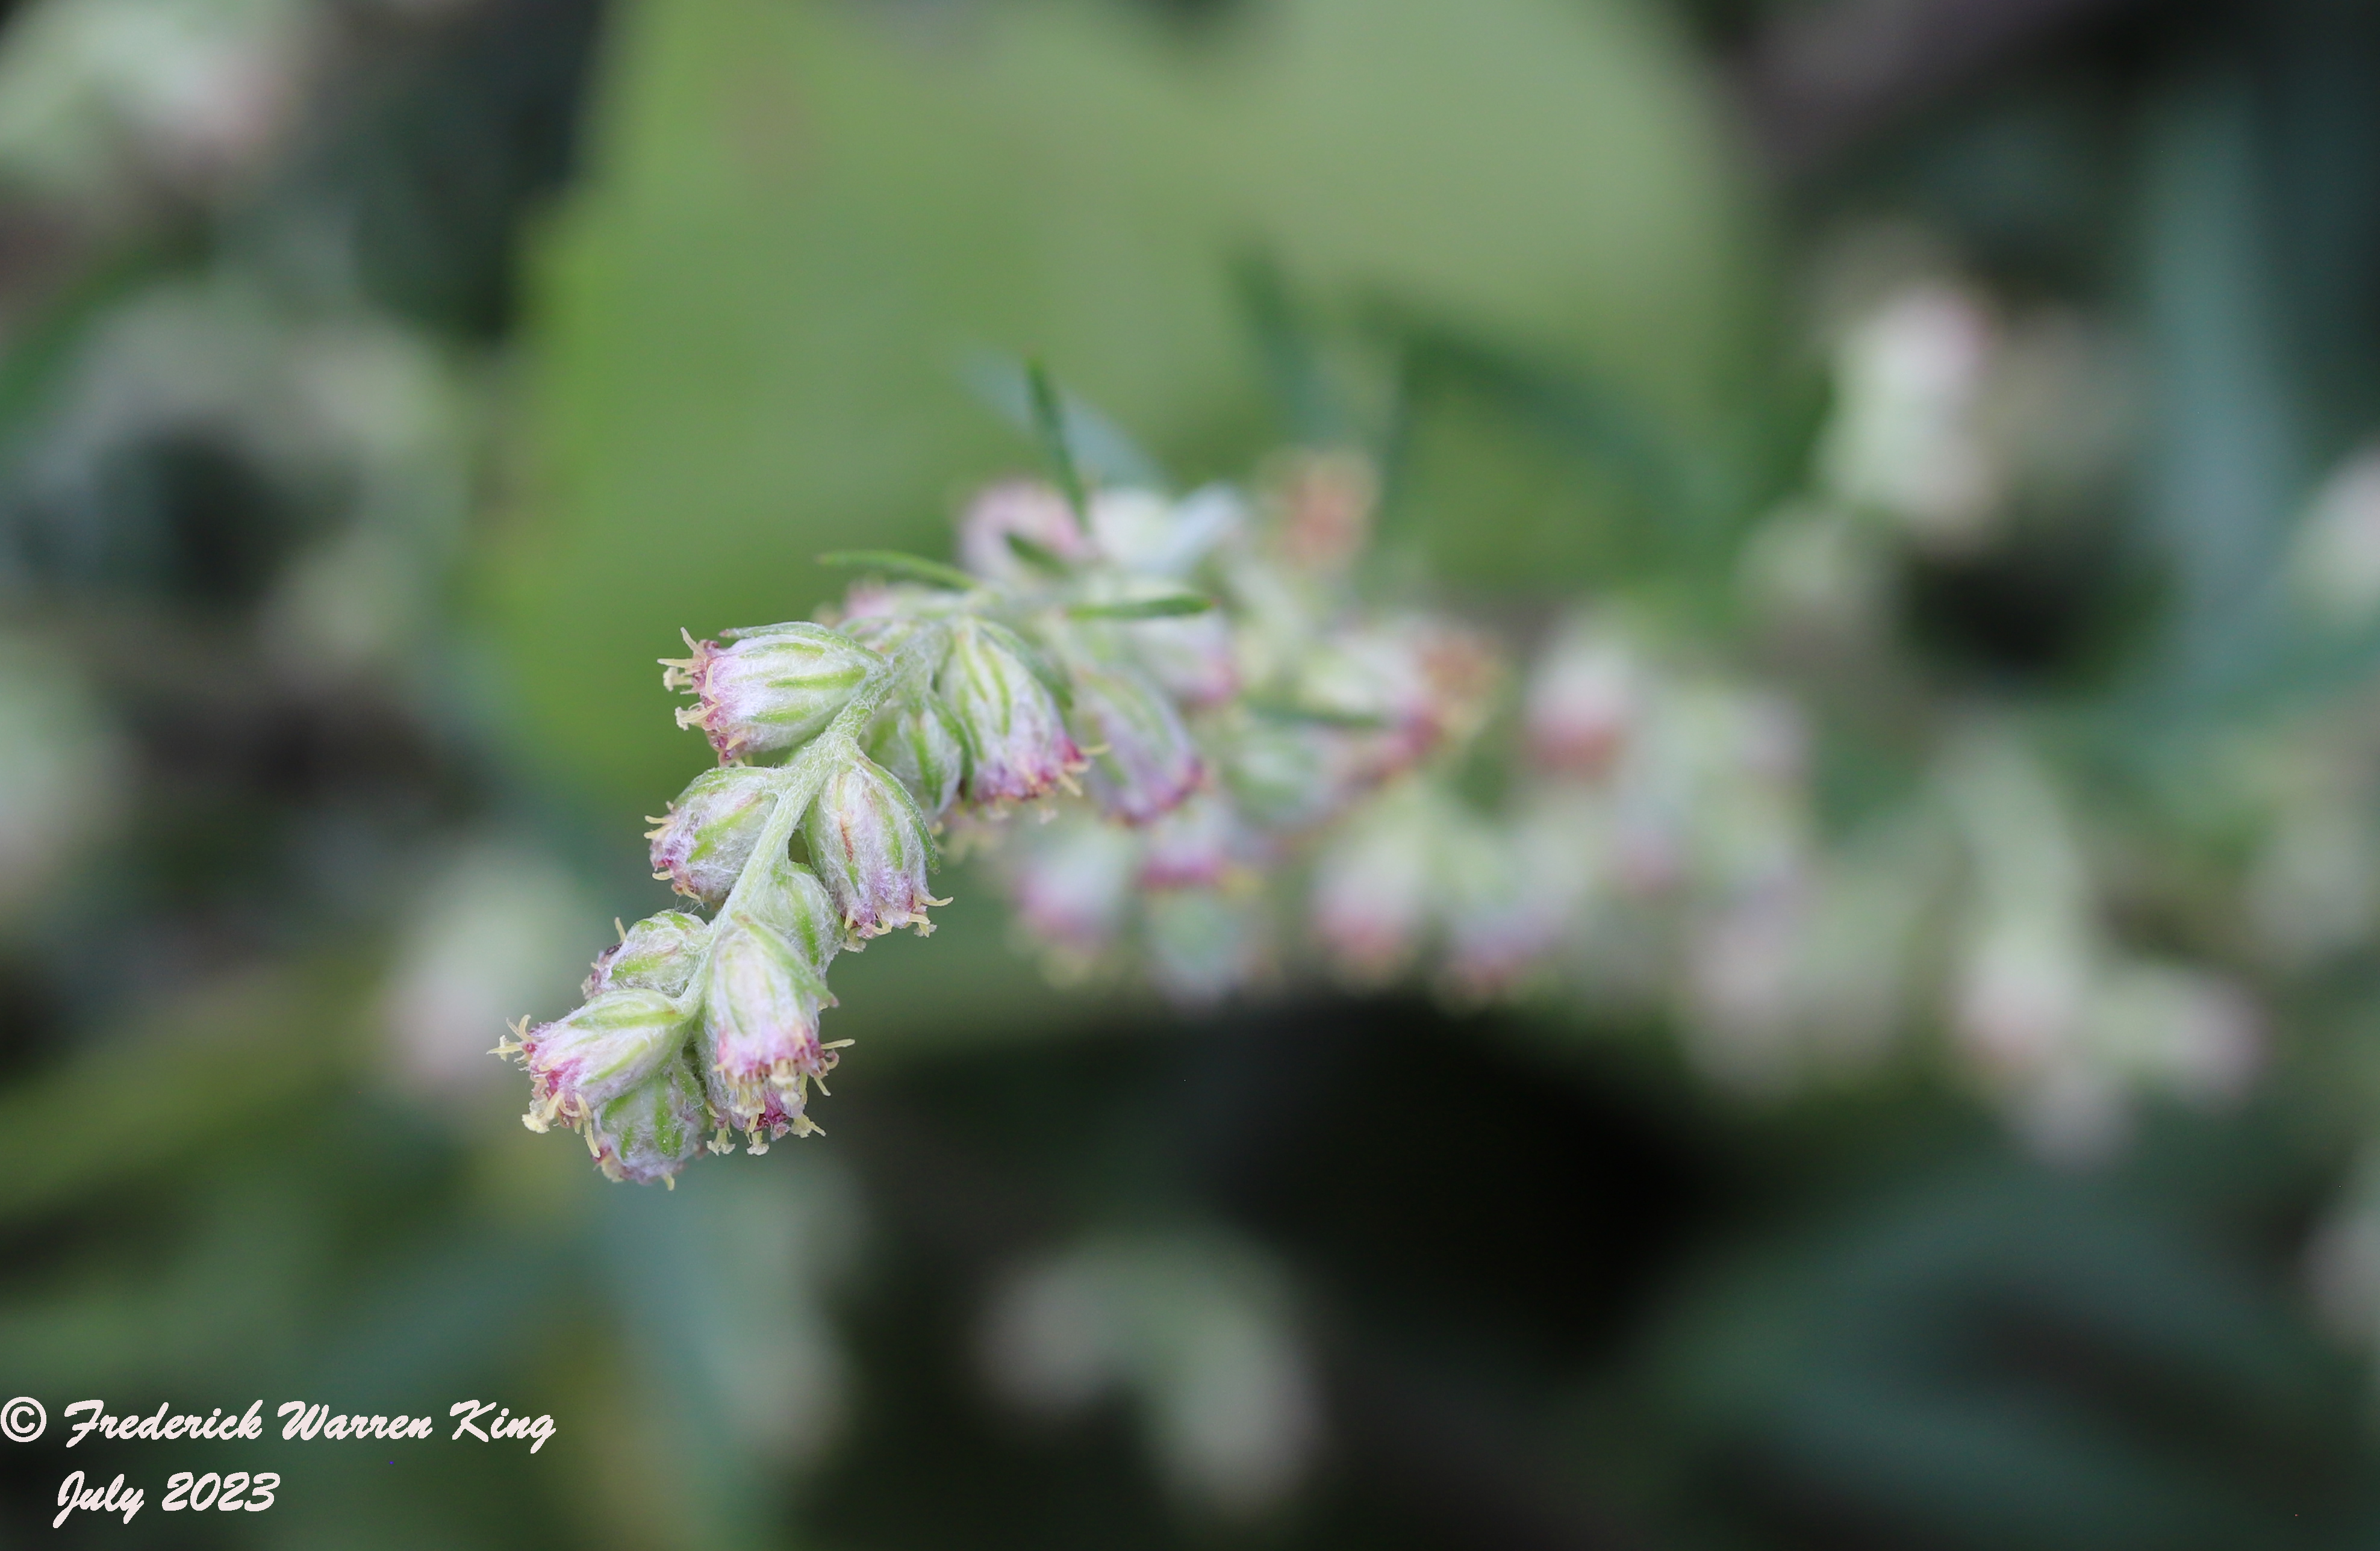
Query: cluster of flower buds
x=1648 y=801
x=1236 y=760
x=1656 y=847
x=841 y=753
x=1224 y=744
x=1196 y=677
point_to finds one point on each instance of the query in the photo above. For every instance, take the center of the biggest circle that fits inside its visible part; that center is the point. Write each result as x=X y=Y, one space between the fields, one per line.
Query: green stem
x=806 y=773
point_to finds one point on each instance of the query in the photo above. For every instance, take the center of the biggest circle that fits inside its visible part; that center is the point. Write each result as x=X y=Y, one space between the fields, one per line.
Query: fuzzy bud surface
x=659 y=953
x=704 y=840
x=1017 y=744
x=770 y=690
x=872 y=849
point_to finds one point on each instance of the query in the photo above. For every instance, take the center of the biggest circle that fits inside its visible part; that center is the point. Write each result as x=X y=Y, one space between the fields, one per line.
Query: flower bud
x=1192 y=657
x=1147 y=765
x=1496 y=906
x=1193 y=846
x=1326 y=503
x=1017 y=744
x=1426 y=683
x=654 y=1128
x=1582 y=700
x=761 y=1027
x=701 y=846
x=870 y=844
x=917 y=739
x=1286 y=776
x=1513 y=893
x=775 y=687
x=579 y=1063
x=1029 y=510
x=789 y=898
x=1140 y=531
x=1070 y=883
x=659 y=953
x=881 y=616
x=1373 y=890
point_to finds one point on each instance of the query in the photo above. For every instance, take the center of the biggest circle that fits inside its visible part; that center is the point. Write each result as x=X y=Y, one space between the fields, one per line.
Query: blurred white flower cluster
x=1653 y=843
x=1302 y=702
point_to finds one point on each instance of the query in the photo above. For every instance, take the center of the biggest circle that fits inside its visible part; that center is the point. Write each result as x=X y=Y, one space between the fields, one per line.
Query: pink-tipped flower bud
x=1017 y=744
x=1071 y=884
x=1424 y=682
x=579 y=1063
x=1582 y=700
x=872 y=847
x=1192 y=657
x=1146 y=765
x=659 y=953
x=1025 y=509
x=775 y=687
x=1194 y=846
x=1507 y=898
x=917 y=739
x=1373 y=888
x=701 y=845
x=1326 y=503
x=761 y=1004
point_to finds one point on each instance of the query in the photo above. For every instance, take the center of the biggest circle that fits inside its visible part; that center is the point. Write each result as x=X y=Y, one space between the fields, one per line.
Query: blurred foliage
x=759 y=317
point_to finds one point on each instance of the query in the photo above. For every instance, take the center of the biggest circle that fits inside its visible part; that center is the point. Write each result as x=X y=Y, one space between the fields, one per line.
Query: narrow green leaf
x=916 y=568
x=1039 y=556
x=1289 y=710
x=1146 y=608
x=1050 y=424
x=1103 y=451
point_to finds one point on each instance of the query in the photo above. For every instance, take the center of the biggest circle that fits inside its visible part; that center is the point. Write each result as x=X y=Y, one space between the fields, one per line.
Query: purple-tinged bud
x=1426 y=683
x=1017 y=744
x=1145 y=766
x=872 y=847
x=917 y=739
x=1325 y=503
x=1509 y=898
x=659 y=953
x=1373 y=890
x=701 y=845
x=1582 y=700
x=579 y=1063
x=1194 y=846
x=1071 y=884
x=778 y=685
x=1192 y=657
x=654 y=1128
x=760 y=1029
x=1025 y=509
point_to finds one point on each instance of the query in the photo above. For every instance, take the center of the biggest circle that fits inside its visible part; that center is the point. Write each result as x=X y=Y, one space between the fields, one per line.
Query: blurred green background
x=386 y=381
